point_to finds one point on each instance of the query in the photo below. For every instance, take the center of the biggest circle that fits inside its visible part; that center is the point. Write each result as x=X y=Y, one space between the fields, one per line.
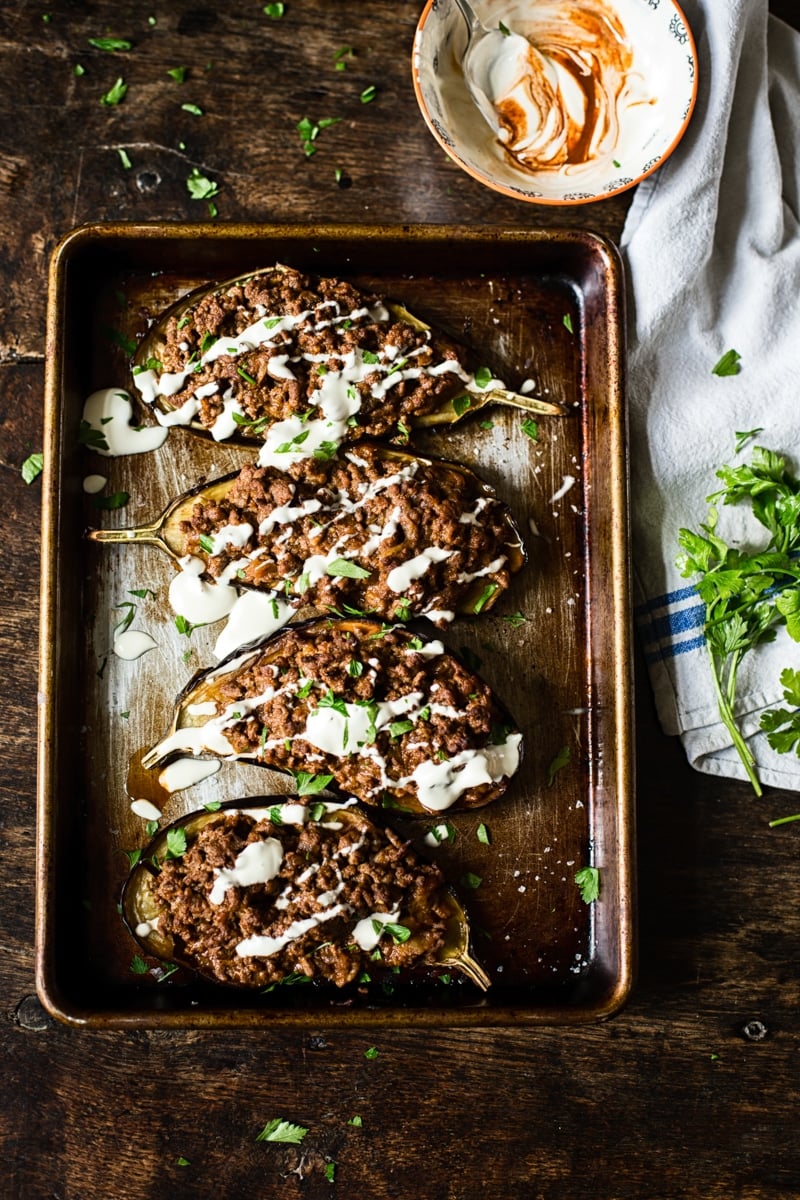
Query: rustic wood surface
x=693 y=1089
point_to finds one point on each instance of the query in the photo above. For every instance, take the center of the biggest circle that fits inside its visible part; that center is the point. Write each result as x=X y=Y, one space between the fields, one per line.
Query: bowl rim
x=496 y=186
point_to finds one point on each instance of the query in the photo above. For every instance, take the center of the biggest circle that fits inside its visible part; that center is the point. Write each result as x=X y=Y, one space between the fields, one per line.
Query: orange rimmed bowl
x=607 y=97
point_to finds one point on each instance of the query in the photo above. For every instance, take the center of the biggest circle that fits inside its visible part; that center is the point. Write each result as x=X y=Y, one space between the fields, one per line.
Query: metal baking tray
x=545 y=306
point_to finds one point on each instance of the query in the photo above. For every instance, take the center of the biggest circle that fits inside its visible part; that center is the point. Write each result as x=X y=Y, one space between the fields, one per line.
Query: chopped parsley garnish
x=330 y=1171
x=483 y=835
x=247 y=376
x=138 y=965
x=176 y=843
x=309 y=785
x=279 y=1130
x=132 y=856
x=32 y=467
x=506 y=32
x=194 y=109
x=331 y=700
x=567 y=323
x=371 y=1053
x=470 y=880
x=199 y=186
x=124 y=158
x=206 y=543
x=274 y=11
x=531 y=428
x=183 y=626
x=398 y=728
x=116 y=94
x=728 y=364
x=485 y=597
x=310 y=130
x=515 y=619
x=400 y=933
x=341 y=57
x=325 y=451
x=588 y=881
x=483 y=377
x=356 y=1120
x=355 y=668
x=346 y=568
x=115 y=500
x=297 y=440
x=558 y=763
x=127 y=620
x=110 y=44
x=178 y=73
x=460 y=405
x=745 y=436
x=78 y=70
x=212 y=805
x=304 y=690
x=183 y=1162
x=368 y=94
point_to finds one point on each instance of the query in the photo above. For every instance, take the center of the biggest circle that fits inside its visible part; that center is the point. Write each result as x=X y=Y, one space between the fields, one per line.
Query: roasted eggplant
x=378 y=530
x=384 y=714
x=300 y=364
x=257 y=892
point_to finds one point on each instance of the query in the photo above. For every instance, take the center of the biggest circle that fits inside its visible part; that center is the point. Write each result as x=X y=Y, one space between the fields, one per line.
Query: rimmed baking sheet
x=542 y=306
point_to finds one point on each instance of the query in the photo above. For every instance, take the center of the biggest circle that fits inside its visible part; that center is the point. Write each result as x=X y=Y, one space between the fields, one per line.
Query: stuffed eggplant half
x=384 y=714
x=378 y=530
x=302 y=364
x=254 y=893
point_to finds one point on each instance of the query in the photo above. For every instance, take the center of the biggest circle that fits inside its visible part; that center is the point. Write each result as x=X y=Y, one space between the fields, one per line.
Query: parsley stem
x=784 y=820
x=725 y=704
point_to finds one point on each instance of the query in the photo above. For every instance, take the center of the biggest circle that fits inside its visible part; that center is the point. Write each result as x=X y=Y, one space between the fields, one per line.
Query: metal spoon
x=483 y=48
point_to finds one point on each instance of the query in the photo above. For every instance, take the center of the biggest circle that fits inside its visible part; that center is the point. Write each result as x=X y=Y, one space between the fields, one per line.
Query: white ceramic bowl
x=599 y=111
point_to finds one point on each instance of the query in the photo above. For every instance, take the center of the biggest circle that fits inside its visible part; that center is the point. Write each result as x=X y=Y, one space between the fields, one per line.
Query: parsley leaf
x=728 y=364
x=199 y=186
x=588 y=880
x=309 y=785
x=110 y=44
x=279 y=1130
x=32 y=467
x=116 y=94
x=275 y=11
x=345 y=567
x=558 y=763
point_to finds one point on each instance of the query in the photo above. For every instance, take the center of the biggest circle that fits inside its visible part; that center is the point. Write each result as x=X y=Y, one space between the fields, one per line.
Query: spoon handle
x=148 y=534
x=474 y=22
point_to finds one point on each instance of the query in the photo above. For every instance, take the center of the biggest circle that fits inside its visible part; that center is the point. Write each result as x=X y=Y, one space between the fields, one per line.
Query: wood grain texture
x=692 y=1091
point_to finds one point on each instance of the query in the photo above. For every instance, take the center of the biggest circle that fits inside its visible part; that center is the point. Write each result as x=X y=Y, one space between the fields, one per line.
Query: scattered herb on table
x=115 y=94
x=747 y=595
x=729 y=364
x=124 y=158
x=567 y=321
x=371 y=1053
x=109 y=503
x=531 y=428
x=178 y=74
x=199 y=186
x=32 y=467
x=330 y=1171
x=279 y=1130
x=483 y=835
x=342 y=56
x=310 y=130
x=194 y=109
x=588 y=881
x=275 y=11
x=368 y=94
x=559 y=762
x=110 y=44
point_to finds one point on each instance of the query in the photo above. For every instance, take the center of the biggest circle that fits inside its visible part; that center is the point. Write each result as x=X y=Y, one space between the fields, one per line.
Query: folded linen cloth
x=712 y=250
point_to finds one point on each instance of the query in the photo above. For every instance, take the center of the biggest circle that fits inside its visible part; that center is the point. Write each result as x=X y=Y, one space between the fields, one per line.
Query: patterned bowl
x=598 y=98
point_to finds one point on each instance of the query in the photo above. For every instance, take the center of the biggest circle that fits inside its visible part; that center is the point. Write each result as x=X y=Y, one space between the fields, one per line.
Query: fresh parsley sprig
x=747 y=595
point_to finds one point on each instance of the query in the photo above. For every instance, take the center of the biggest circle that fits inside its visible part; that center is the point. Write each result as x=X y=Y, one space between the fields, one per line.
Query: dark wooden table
x=693 y=1089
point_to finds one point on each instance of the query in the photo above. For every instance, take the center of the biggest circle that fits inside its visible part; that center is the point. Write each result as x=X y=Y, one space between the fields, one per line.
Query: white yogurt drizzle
x=133 y=643
x=337 y=397
x=108 y=412
x=261 y=945
x=368 y=931
x=186 y=772
x=258 y=862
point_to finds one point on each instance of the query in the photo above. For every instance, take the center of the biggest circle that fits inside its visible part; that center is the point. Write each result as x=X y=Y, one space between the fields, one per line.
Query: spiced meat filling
x=254 y=900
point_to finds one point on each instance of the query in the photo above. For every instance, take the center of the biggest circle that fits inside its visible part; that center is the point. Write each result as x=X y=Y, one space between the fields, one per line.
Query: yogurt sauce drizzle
x=350 y=729
x=108 y=413
x=562 y=89
x=337 y=398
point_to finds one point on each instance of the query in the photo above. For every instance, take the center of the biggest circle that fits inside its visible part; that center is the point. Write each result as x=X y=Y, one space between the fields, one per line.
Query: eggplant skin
x=391 y=717
x=260 y=894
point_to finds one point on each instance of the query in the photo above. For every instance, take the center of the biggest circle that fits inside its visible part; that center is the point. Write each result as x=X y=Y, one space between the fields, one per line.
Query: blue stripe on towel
x=665 y=621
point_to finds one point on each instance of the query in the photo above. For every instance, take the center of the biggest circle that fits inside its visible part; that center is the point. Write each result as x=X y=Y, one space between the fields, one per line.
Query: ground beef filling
x=376 y=708
x=377 y=521
x=317 y=344
x=357 y=873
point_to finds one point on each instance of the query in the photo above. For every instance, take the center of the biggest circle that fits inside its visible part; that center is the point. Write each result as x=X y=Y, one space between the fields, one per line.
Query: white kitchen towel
x=712 y=251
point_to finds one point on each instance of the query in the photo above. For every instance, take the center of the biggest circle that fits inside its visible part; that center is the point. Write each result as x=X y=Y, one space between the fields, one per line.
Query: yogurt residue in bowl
x=564 y=85
x=589 y=95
